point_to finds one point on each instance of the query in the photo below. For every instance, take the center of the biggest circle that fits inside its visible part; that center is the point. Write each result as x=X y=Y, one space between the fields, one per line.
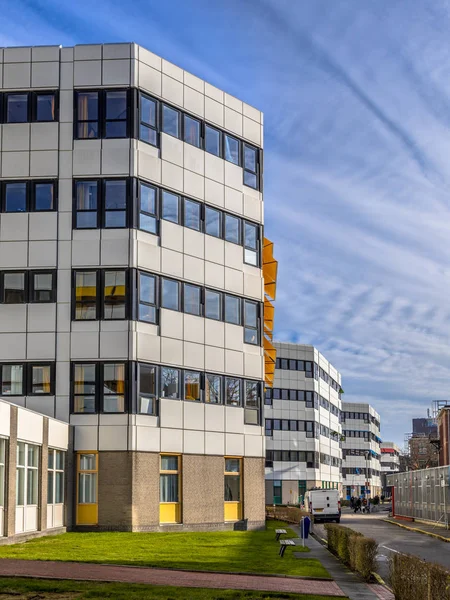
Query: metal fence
x=423 y=494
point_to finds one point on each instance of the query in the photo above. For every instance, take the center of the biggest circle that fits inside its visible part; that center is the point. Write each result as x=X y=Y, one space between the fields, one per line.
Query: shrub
x=290 y=514
x=339 y=540
x=355 y=550
x=415 y=579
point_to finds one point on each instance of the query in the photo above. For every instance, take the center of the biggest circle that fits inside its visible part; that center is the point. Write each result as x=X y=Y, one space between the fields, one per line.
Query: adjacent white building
x=361 y=451
x=302 y=425
x=390 y=457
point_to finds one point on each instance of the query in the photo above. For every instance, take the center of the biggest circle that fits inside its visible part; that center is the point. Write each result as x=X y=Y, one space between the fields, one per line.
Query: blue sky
x=356 y=97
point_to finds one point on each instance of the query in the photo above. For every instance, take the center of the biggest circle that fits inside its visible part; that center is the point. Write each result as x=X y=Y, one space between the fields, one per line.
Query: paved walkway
x=92 y=572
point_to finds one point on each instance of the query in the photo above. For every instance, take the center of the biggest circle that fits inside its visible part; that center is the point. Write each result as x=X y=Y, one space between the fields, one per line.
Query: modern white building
x=131 y=281
x=302 y=425
x=361 y=451
x=390 y=457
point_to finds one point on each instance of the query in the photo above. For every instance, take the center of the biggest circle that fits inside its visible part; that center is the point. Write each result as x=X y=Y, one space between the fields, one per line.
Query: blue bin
x=305 y=525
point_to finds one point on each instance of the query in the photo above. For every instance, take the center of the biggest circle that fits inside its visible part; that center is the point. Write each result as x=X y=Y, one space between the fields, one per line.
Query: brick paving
x=382 y=592
x=93 y=572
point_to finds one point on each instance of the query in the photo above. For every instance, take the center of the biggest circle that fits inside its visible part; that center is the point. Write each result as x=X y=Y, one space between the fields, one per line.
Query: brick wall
x=145 y=491
x=254 y=491
x=203 y=489
x=115 y=490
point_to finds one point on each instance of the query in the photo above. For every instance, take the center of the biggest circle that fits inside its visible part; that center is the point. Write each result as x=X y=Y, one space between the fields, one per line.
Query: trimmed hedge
x=412 y=578
x=355 y=550
x=290 y=514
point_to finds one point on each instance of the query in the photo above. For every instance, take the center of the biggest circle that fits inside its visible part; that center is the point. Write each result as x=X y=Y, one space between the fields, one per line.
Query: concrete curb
x=429 y=533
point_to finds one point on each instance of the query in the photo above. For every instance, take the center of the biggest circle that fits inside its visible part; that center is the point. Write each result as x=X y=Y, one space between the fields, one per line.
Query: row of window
x=359 y=452
x=359 y=416
x=20 y=287
x=37 y=195
x=311 y=369
x=369 y=473
x=115 y=113
x=391 y=466
x=122 y=387
x=367 y=435
x=311 y=458
x=105 y=294
x=121 y=203
x=312 y=399
x=27 y=379
x=311 y=428
x=28 y=107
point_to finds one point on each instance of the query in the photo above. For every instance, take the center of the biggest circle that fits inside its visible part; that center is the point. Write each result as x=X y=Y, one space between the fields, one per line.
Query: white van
x=324 y=505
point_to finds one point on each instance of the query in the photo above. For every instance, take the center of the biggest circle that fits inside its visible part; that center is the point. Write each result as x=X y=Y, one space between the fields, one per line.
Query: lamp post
x=366 y=454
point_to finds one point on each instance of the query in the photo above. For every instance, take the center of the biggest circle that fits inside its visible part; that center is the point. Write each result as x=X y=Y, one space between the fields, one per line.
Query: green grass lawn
x=28 y=589
x=229 y=551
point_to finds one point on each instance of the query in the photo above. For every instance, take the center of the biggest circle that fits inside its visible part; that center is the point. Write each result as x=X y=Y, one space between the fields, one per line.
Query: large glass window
x=114 y=388
x=87 y=478
x=148 y=219
x=147 y=391
x=232 y=310
x=85 y=295
x=148 y=120
x=212 y=140
x=232 y=480
x=192 y=212
x=250 y=166
x=252 y=402
x=27 y=474
x=41 y=380
x=232 y=391
x=17 y=108
x=192 y=386
x=232 y=229
x=55 y=487
x=147 y=298
x=213 y=388
x=232 y=149
x=170 y=295
x=43 y=287
x=170 y=207
x=16 y=197
x=44 y=196
x=2 y=472
x=114 y=295
x=115 y=203
x=170 y=383
x=87 y=115
x=45 y=107
x=169 y=487
x=84 y=388
x=14 y=291
x=213 y=305
x=86 y=204
x=12 y=380
x=116 y=114
x=250 y=244
x=192 y=129
x=170 y=121
x=192 y=299
x=251 y=322
x=213 y=222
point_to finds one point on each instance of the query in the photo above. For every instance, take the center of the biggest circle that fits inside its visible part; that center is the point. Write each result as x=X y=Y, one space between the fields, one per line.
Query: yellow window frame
x=170 y=512
x=87 y=513
x=233 y=509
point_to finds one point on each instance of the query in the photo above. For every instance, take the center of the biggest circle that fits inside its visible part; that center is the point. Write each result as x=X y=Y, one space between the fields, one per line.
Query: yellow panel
x=87 y=514
x=170 y=512
x=233 y=511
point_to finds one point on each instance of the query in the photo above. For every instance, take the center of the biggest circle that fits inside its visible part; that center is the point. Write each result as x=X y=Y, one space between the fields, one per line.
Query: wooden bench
x=279 y=532
x=284 y=544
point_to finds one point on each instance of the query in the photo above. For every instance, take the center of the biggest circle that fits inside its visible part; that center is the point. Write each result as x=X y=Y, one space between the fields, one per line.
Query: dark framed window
x=192 y=386
x=250 y=166
x=284 y=363
x=170 y=294
x=45 y=109
x=268 y=427
x=213 y=222
x=84 y=388
x=170 y=207
x=192 y=299
x=14 y=285
x=170 y=383
x=15 y=195
x=213 y=305
x=86 y=204
x=86 y=295
x=115 y=203
x=192 y=214
x=101 y=114
x=268 y=397
x=114 y=295
x=147 y=298
x=192 y=131
x=148 y=213
x=276 y=393
x=17 y=108
x=171 y=121
x=43 y=286
x=148 y=129
x=232 y=310
x=285 y=394
x=293 y=425
x=232 y=229
x=251 y=322
x=232 y=391
x=292 y=394
x=116 y=113
x=113 y=388
x=251 y=244
x=42 y=379
x=13 y=380
x=213 y=140
x=232 y=149
x=213 y=388
x=87 y=115
x=44 y=196
x=252 y=403
x=147 y=389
